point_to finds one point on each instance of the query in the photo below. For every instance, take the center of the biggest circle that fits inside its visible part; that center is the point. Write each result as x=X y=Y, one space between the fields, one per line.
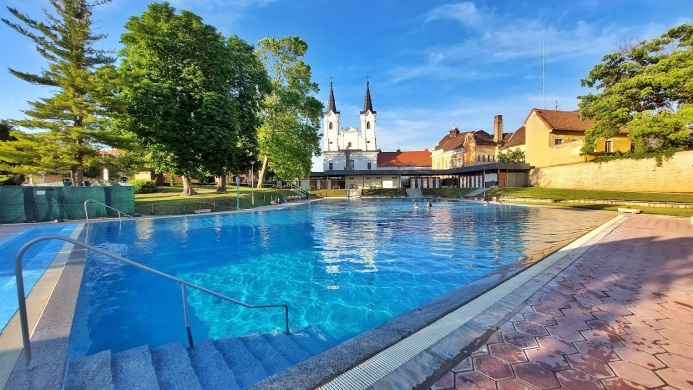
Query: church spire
x=331 y=105
x=367 y=104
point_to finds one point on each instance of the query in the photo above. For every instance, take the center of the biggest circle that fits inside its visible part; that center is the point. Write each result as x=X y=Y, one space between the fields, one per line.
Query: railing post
x=23 y=318
x=86 y=214
x=185 y=314
x=286 y=318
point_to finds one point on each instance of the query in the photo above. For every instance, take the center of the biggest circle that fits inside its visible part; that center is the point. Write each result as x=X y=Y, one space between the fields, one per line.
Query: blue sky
x=432 y=64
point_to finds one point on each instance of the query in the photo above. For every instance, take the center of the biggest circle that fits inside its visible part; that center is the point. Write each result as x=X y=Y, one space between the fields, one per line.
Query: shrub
x=144 y=186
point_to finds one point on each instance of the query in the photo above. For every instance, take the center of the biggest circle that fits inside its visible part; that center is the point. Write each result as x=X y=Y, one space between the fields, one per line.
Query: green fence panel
x=121 y=197
x=46 y=205
x=49 y=203
x=74 y=198
x=12 y=205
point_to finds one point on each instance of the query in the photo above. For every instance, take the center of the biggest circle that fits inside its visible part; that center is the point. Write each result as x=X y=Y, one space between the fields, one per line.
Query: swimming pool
x=343 y=266
x=35 y=261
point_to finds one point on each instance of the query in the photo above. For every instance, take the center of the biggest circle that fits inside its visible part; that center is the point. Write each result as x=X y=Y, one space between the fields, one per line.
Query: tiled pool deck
x=619 y=316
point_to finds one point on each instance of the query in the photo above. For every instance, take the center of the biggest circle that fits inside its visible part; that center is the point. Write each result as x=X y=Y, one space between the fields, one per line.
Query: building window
x=330 y=167
x=558 y=141
x=369 y=165
x=488 y=157
x=609 y=146
x=459 y=161
x=478 y=158
x=330 y=125
x=368 y=125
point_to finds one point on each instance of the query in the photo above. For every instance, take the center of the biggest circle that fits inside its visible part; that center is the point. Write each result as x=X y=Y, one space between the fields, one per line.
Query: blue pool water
x=345 y=266
x=35 y=261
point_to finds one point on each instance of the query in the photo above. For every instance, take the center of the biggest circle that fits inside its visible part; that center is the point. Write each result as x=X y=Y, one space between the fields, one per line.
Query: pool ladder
x=86 y=214
x=183 y=283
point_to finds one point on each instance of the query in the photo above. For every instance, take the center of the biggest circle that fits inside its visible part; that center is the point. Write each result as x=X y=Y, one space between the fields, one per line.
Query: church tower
x=368 y=121
x=331 y=123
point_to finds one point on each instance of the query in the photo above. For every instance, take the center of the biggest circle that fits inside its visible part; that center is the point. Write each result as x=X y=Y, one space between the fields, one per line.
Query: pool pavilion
x=476 y=176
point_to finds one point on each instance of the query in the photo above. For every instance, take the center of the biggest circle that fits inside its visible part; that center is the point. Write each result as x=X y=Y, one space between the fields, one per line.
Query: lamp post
x=252 y=184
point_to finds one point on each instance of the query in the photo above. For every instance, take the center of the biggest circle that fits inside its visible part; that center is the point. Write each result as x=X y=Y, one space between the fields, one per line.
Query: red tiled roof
x=563 y=120
x=515 y=139
x=483 y=138
x=449 y=143
x=416 y=158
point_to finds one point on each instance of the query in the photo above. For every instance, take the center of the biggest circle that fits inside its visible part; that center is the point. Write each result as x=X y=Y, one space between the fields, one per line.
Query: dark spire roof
x=331 y=105
x=367 y=104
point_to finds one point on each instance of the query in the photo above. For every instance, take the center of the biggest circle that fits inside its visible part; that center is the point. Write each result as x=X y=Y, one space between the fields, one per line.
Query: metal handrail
x=103 y=204
x=22 y=300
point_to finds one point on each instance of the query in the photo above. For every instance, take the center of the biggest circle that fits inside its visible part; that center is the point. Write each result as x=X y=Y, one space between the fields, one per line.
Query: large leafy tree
x=72 y=118
x=250 y=86
x=176 y=80
x=289 y=135
x=646 y=88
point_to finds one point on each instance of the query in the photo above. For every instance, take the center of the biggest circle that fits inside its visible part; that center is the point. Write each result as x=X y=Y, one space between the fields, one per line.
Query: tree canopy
x=72 y=118
x=512 y=156
x=289 y=135
x=178 y=83
x=646 y=89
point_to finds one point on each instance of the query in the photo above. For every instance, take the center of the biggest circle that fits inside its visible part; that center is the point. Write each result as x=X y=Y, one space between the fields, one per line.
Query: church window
x=330 y=125
x=369 y=165
x=368 y=125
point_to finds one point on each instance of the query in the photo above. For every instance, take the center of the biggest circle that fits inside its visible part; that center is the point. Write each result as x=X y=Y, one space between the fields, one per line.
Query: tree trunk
x=187 y=187
x=221 y=183
x=261 y=174
x=79 y=178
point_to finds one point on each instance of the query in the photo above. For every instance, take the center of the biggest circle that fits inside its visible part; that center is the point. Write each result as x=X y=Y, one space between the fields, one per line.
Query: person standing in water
x=429 y=204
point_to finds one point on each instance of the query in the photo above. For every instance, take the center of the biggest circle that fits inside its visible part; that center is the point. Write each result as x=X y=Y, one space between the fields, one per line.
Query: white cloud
x=483 y=53
x=466 y=12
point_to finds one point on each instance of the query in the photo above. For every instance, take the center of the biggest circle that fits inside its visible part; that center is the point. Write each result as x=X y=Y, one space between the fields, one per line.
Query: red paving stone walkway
x=620 y=317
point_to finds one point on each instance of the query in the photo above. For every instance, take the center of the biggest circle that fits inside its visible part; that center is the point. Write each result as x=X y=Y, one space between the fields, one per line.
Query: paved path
x=620 y=317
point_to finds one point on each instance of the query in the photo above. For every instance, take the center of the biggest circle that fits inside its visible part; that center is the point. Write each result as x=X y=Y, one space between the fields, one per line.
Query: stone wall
x=675 y=175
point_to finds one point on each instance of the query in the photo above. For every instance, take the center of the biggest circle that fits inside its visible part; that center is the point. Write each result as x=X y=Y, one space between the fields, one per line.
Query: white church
x=350 y=149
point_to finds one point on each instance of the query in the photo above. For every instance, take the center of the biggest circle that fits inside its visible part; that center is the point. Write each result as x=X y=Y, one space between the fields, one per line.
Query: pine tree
x=72 y=119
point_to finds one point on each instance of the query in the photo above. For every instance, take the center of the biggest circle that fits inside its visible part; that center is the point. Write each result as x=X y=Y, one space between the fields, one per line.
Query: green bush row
x=144 y=186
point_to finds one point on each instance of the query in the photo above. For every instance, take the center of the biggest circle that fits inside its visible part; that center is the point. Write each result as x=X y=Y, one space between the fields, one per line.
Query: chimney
x=498 y=128
x=454 y=131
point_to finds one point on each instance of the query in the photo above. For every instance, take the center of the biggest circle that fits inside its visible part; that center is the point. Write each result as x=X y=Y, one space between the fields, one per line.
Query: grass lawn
x=563 y=197
x=169 y=202
x=568 y=194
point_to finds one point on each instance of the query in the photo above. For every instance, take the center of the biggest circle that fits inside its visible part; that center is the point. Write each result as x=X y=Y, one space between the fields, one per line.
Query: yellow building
x=554 y=137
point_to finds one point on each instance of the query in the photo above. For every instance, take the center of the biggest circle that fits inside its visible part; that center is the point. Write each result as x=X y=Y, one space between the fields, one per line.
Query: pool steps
x=229 y=363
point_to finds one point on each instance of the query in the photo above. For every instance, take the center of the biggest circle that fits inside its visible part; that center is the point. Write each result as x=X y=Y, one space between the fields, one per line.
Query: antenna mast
x=543 y=77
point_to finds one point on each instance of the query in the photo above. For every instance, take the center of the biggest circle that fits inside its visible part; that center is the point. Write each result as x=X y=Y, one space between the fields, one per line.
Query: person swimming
x=428 y=204
x=416 y=205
